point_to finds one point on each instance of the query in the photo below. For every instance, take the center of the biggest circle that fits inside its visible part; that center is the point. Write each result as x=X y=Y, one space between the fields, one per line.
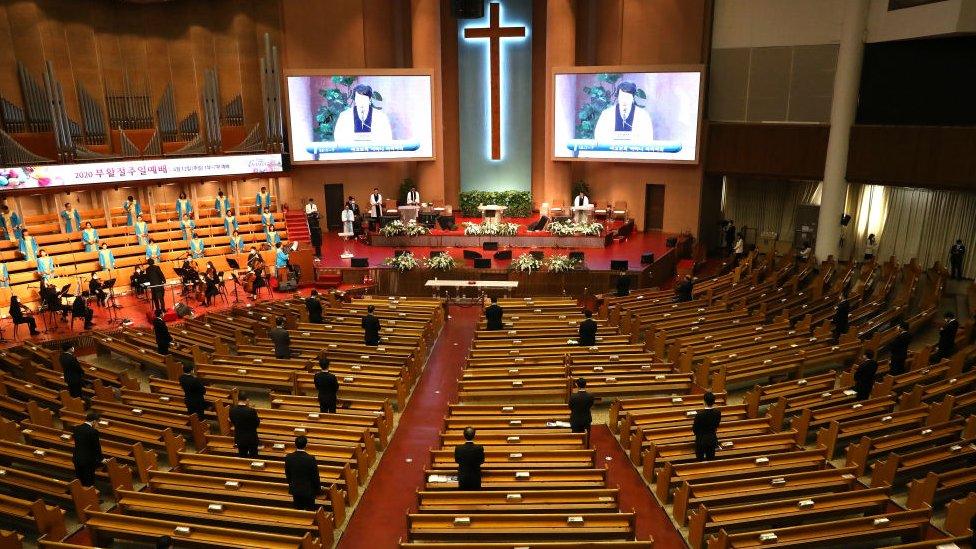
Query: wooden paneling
x=782 y=150
x=919 y=156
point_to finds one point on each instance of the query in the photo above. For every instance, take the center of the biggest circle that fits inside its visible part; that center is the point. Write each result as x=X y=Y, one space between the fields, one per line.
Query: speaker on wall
x=647 y=259
x=360 y=262
x=469 y=9
x=482 y=263
x=471 y=254
x=504 y=254
x=618 y=264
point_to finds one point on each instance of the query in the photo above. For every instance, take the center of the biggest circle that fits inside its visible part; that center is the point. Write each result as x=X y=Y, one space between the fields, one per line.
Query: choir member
x=197 y=247
x=221 y=204
x=133 y=209
x=141 y=230
x=230 y=223
x=183 y=206
x=262 y=200
x=89 y=237
x=271 y=236
x=236 y=243
x=187 y=226
x=71 y=218
x=10 y=223
x=106 y=259
x=28 y=245
x=152 y=249
x=45 y=265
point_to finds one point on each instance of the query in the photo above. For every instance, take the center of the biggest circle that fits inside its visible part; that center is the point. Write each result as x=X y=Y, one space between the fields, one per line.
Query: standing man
x=729 y=237
x=281 y=339
x=87 y=453
x=371 y=327
x=71 y=218
x=194 y=392
x=956 y=253
x=311 y=208
x=327 y=386
x=580 y=404
x=375 y=208
x=947 y=338
x=705 y=428
x=315 y=236
x=469 y=457
x=587 y=330
x=74 y=376
x=157 y=285
x=245 y=421
x=314 y=306
x=578 y=202
x=899 y=350
x=413 y=197
x=161 y=331
x=623 y=285
x=864 y=375
x=493 y=314
x=302 y=474
x=842 y=317
x=870 y=248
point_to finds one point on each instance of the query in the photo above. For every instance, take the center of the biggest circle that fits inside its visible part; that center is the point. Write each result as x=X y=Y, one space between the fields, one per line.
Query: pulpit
x=408 y=213
x=492 y=213
x=582 y=214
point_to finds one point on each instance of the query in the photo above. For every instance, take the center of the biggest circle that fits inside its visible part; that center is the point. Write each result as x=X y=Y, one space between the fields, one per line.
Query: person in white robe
x=624 y=120
x=363 y=121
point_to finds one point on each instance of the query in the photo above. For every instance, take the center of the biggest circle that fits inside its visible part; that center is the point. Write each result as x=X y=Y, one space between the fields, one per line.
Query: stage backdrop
x=496 y=156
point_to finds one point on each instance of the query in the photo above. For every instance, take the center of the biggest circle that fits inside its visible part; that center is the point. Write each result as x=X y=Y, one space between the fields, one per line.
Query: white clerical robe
x=375 y=205
x=348 y=217
x=371 y=125
x=578 y=215
x=633 y=127
x=413 y=198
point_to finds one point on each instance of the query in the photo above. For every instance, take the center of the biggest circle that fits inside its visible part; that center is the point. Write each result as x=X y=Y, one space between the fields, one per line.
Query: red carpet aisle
x=635 y=496
x=379 y=520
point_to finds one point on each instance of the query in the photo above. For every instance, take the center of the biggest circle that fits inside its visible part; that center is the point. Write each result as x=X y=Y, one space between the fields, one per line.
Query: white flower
x=441 y=262
x=402 y=262
x=526 y=263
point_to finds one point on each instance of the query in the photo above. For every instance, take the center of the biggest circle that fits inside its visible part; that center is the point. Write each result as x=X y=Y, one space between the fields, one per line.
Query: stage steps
x=297 y=227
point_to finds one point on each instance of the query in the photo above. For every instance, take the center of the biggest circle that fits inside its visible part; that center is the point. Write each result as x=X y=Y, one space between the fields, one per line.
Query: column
x=846 y=82
x=560 y=51
x=425 y=20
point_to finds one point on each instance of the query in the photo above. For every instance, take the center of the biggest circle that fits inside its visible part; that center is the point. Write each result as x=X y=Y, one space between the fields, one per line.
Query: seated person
x=97 y=289
x=51 y=300
x=20 y=314
x=136 y=281
x=80 y=309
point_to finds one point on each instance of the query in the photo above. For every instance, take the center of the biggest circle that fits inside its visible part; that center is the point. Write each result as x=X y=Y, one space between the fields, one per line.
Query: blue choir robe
x=222 y=205
x=106 y=258
x=281 y=258
x=183 y=207
x=72 y=220
x=28 y=247
x=230 y=224
x=10 y=225
x=196 y=248
x=90 y=238
x=152 y=251
x=272 y=238
x=4 y=276
x=45 y=267
x=187 y=226
x=267 y=219
x=141 y=229
x=262 y=201
x=132 y=211
x=236 y=244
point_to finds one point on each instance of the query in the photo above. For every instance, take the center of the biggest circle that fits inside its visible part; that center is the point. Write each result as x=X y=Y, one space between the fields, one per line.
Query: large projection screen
x=349 y=116
x=628 y=114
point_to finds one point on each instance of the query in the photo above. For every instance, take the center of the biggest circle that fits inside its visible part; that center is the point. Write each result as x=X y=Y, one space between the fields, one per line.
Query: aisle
x=380 y=517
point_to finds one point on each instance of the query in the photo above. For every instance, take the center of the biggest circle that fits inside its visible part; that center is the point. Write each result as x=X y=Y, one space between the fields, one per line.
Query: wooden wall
x=775 y=150
x=918 y=156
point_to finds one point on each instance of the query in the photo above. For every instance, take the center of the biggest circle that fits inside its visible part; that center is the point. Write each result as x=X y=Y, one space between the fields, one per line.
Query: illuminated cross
x=494 y=32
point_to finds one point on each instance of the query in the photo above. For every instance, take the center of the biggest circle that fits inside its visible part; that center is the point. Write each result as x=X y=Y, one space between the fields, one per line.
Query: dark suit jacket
x=162 y=332
x=587 y=332
x=947 y=336
x=493 y=314
x=683 y=291
x=245 y=421
x=193 y=392
x=314 y=307
x=623 y=286
x=88 y=447
x=302 y=474
x=282 y=342
x=469 y=457
x=327 y=385
x=705 y=427
x=371 y=329
x=864 y=377
x=73 y=374
x=580 y=404
x=899 y=345
x=79 y=307
x=155 y=276
x=841 y=316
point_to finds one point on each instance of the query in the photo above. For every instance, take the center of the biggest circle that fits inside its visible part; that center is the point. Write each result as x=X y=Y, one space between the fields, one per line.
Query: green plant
x=579 y=186
x=517 y=203
x=561 y=263
x=337 y=99
x=526 y=263
x=405 y=187
x=403 y=262
x=600 y=97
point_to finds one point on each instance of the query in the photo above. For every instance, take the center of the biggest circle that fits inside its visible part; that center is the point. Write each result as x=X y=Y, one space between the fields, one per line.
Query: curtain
x=767 y=205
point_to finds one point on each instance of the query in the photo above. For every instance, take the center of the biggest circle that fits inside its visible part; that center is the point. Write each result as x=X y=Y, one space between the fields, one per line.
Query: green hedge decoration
x=519 y=203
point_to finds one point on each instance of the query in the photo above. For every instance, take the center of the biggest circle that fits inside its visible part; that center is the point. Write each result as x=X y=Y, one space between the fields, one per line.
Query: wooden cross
x=494 y=32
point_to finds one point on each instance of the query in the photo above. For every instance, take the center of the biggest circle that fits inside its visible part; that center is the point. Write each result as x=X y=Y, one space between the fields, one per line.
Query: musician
x=197 y=246
x=221 y=204
x=267 y=218
x=236 y=243
x=253 y=256
x=105 y=257
x=302 y=475
x=263 y=199
x=89 y=237
x=157 y=285
x=51 y=299
x=413 y=197
x=133 y=210
x=230 y=223
x=314 y=306
x=183 y=206
x=189 y=276
x=28 y=245
x=97 y=289
x=4 y=275
x=9 y=223
x=141 y=230
x=137 y=281
x=20 y=314
x=281 y=257
x=80 y=309
x=74 y=375
x=187 y=226
x=161 y=331
x=375 y=208
x=45 y=265
x=152 y=249
x=71 y=218
x=271 y=236
x=257 y=272
x=211 y=281
x=469 y=458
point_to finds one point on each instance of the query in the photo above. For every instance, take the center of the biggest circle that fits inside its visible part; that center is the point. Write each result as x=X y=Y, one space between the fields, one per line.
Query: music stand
x=109 y=285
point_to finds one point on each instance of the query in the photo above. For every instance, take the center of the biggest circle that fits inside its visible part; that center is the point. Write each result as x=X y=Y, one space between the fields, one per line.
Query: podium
x=582 y=214
x=492 y=213
x=408 y=212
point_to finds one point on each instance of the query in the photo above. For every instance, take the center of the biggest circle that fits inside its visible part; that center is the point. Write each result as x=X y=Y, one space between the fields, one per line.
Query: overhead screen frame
x=595 y=69
x=434 y=93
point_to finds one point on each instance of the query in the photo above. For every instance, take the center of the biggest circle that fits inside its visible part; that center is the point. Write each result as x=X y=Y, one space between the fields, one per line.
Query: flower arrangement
x=441 y=262
x=399 y=228
x=561 y=263
x=403 y=262
x=490 y=228
x=526 y=263
x=571 y=228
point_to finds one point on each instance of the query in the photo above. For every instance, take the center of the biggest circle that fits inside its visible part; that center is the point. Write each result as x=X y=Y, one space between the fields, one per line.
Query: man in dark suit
x=705 y=428
x=80 y=309
x=469 y=457
x=580 y=404
x=899 y=350
x=842 y=317
x=587 y=330
x=282 y=341
x=493 y=314
x=683 y=290
x=87 y=453
x=947 y=338
x=327 y=386
x=864 y=375
x=161 y=331
x=194 y=392
x=157 y=285
x=623 y=286
x=314 y=306
x=371 y=327
x=302 y=474
x=74 y=376
x=245 y=421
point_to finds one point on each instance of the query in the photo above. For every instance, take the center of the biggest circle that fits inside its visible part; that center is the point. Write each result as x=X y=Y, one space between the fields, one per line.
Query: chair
x=390 y=207
x=620 y=210
x=602 y=212
x=557 y=208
